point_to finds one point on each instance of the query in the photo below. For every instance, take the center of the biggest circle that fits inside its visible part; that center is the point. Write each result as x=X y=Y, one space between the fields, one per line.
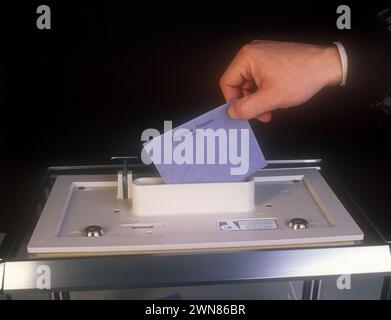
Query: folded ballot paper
x=210 y=148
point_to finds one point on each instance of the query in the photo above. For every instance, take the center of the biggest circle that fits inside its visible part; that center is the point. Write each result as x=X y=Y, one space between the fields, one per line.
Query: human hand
x=268 y=75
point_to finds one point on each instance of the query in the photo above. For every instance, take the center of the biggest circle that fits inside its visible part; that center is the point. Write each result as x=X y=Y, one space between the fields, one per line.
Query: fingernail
x=231 y=111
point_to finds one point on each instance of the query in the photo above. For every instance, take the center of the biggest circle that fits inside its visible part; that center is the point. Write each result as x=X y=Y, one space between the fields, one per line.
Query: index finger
x=232 y=80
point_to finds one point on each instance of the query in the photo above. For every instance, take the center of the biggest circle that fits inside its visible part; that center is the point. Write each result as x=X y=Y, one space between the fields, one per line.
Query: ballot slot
x=191 y=198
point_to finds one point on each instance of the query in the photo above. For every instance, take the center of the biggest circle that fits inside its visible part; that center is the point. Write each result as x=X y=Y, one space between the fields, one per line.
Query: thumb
x=251 y=106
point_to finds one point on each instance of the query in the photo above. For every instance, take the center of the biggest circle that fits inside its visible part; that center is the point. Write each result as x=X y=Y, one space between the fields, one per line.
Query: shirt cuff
x=344 y=62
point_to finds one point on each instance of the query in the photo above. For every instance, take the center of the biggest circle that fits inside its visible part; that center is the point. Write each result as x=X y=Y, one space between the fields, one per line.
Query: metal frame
x=1 y=275
x=311 y=289
x=191 y=268
x=386 y=289
x=184 y=269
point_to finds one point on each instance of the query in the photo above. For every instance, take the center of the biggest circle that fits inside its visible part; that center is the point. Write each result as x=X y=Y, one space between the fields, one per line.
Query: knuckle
x=247 y=48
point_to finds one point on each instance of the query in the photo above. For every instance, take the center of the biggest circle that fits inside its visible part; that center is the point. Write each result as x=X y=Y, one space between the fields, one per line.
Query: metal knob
x=298 y=223
x=93 y=231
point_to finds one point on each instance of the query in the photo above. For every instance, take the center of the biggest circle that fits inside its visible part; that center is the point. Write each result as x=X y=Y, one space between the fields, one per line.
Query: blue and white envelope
x=210 y=148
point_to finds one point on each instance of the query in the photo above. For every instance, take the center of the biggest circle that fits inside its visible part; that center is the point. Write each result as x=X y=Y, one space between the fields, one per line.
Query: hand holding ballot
x=220 y=146
x=268 y=75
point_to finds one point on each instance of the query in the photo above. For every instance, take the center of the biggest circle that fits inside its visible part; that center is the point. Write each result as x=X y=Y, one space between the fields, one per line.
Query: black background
x=86 y=89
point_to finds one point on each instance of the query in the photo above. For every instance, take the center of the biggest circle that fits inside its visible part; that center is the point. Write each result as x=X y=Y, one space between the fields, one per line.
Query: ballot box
x=95 y=229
